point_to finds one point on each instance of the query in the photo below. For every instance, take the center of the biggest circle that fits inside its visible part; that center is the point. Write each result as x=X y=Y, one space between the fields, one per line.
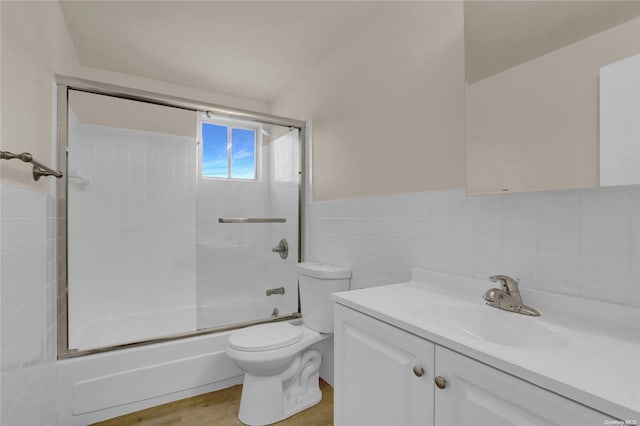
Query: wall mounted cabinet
x=377 y=383
x=535 y=127
x=620 y=122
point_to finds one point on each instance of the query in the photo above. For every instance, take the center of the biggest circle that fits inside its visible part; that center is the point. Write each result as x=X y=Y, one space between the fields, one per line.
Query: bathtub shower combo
x=180 y=219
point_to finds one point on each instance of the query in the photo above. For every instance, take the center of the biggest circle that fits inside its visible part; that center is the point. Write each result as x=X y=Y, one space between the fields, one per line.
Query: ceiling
x=254 y=49
x=245 y=48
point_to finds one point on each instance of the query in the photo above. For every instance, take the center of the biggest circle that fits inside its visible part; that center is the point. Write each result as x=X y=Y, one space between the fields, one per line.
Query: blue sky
x=215 y=156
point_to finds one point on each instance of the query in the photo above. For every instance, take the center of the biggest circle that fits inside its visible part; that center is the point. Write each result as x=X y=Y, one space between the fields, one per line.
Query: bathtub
x=109 y=384
x=105 y=385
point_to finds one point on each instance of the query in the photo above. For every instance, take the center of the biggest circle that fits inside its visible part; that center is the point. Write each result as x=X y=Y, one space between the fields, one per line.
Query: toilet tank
x=317 y=281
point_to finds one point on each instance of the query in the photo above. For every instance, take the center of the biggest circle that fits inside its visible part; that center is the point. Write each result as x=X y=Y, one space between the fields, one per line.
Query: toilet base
x=267 y=400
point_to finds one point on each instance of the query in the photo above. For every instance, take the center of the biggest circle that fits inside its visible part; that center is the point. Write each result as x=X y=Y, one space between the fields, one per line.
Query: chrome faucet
x=508 y=297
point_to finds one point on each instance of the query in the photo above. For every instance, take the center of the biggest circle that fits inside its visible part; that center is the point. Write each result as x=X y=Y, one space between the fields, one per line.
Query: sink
x=498 y=327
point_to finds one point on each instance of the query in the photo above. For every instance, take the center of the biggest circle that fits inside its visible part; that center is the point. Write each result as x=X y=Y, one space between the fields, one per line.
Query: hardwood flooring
x=220 y=408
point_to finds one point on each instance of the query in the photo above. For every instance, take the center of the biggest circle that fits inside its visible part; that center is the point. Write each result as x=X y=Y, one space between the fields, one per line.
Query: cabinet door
x=375 y=382
x=620 y=122
x=476 y=394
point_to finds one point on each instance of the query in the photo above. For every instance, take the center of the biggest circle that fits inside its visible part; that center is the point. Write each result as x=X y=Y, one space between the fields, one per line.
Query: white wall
x=31 y=50
x=388 y=106
x=28 y=287
x=35 y=45
x=582 y=242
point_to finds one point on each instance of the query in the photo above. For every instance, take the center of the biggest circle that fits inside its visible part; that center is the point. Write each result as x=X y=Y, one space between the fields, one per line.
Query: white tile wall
x=581 y=242
x=28 y=313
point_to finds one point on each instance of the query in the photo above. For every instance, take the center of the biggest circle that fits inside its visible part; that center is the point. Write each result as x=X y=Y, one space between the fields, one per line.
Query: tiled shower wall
x=578 y=242
x=28 y=320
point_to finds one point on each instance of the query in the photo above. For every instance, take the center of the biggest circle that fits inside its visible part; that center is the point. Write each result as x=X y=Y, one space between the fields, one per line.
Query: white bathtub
x=101 y=386
x=109 y=384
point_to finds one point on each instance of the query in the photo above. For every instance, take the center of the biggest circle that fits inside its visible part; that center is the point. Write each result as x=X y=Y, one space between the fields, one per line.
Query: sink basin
x=498 y=327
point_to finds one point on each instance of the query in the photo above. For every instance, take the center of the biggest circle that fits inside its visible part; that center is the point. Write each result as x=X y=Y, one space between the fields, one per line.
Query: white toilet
x=281 y=368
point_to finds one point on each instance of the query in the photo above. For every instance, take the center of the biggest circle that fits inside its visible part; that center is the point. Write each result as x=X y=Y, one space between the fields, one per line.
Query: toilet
x=280 y=365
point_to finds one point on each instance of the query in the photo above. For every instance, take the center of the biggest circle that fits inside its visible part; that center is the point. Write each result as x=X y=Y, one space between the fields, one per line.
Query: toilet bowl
x=281 y=365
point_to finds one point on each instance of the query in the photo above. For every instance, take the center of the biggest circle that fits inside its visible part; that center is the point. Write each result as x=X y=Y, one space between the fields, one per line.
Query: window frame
x=230 y=124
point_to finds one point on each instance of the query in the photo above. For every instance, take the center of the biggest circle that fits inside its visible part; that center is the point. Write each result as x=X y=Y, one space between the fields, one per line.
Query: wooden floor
x=220 y=408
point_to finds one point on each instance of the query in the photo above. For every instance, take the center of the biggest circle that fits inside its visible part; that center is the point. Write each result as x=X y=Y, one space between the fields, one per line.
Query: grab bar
x=39 y=169
x=252 y=220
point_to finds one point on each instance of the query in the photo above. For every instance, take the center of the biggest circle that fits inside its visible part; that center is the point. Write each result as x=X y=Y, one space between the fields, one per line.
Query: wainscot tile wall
x=28 y=314
x=578 y=242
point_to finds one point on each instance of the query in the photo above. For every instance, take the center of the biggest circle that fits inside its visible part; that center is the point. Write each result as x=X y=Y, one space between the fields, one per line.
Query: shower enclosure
x=177 y=218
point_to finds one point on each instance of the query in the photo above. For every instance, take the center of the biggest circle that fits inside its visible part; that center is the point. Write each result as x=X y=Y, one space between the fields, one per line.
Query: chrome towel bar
x=252 y=220
x=39 y=169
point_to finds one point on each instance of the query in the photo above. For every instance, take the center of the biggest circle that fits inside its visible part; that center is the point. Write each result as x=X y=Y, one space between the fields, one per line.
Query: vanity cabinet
x=377 y=383
x=478 y=394
x=383 y=375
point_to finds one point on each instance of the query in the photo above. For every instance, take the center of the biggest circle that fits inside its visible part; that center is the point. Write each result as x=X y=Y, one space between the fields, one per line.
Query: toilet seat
x=265 y=337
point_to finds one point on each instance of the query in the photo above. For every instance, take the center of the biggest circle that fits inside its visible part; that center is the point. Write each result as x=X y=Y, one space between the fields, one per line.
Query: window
x=228 y=152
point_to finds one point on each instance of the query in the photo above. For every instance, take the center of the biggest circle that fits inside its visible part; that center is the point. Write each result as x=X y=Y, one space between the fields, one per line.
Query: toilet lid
x=265 y=337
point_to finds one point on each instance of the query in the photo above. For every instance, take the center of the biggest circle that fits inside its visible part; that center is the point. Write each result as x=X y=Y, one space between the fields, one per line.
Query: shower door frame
x=66 y=83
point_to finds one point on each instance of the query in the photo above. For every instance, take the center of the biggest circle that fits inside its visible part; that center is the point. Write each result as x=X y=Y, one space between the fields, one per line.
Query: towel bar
x=39 y=169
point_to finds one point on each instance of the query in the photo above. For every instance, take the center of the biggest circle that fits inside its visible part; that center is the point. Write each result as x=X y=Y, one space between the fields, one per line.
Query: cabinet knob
x=441 y=383
x=418 y=371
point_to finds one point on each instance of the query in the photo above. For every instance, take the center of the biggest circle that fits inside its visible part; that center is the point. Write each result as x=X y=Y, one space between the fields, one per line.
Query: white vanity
x=430 y=352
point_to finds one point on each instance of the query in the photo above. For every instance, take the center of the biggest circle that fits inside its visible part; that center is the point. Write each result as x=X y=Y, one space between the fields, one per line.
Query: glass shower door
x=131 y=221
x=245 y=208
x=172 y=220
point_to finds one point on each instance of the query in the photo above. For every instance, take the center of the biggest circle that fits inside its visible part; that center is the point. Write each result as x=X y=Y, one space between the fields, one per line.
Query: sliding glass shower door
x=247 y=204
x=131 y=220
x=172 y=218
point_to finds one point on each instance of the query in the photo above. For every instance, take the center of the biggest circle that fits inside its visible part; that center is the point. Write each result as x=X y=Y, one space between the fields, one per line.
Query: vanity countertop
x=585 y=350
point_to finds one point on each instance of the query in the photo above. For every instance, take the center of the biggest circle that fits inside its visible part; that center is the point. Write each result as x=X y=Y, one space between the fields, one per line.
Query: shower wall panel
x=131 y=234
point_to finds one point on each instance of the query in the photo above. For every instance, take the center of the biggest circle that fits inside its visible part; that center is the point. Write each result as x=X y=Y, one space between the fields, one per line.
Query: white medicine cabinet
x=620 y=122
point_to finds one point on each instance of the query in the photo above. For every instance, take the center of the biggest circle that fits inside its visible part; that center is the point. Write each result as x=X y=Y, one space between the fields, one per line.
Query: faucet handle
x=510 y=285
